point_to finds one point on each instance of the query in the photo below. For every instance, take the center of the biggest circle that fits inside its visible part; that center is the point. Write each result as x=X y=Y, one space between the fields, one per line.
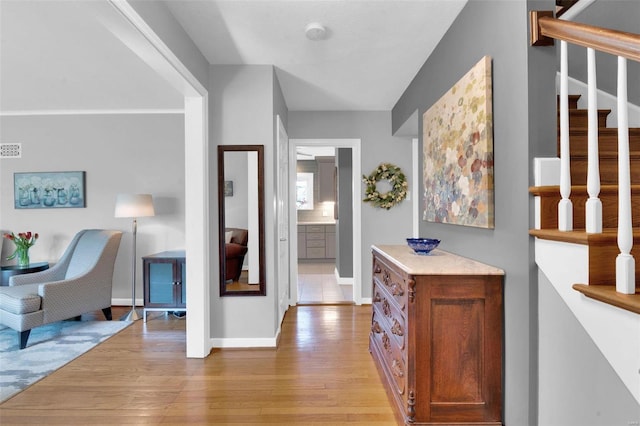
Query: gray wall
x=241 y=113
x=378 y=226
x=344 y=224
x=578 y=386
x=498 y=29
x=621 y=15
x=120 y=154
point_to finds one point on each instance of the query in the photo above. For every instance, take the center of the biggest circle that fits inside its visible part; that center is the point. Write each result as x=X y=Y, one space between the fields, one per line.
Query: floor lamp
x=133 y=206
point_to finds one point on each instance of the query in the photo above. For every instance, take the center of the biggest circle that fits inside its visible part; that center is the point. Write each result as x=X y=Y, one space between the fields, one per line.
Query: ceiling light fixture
x=315 y=31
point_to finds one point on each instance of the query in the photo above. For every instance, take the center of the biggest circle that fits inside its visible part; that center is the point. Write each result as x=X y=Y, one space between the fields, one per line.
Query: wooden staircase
x=603 y=248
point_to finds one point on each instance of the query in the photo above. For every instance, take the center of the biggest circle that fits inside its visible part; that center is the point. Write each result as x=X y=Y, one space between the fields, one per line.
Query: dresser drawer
x=315 y=236
x=395 y=321
x=315 y=243
x=393 y=359
x=390 y=282
x=315 y=252
x=315 y=228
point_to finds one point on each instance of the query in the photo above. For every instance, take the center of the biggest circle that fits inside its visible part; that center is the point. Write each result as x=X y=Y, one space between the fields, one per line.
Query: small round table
x=11 y=270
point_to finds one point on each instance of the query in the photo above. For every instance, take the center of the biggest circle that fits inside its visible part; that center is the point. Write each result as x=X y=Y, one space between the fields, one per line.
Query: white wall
x=120 y=154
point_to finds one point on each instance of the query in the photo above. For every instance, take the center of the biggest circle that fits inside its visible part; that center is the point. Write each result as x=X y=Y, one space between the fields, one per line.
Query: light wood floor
x=321 y=374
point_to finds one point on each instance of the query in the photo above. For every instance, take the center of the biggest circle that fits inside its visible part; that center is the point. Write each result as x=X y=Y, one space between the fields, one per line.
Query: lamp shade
x=134 y=205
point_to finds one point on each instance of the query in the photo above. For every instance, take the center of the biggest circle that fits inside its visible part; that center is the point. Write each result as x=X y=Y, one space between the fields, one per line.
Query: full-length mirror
x=241 y=224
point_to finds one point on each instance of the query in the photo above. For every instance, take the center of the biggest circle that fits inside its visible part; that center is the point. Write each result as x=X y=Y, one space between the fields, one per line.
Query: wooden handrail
x=545 y=28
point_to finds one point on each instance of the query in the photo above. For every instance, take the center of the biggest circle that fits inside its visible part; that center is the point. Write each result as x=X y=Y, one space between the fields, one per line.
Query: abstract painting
x=458 y=152
x=49 y=190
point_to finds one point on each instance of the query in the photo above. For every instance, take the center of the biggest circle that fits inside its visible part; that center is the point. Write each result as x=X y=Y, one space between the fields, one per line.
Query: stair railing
x=544 y=30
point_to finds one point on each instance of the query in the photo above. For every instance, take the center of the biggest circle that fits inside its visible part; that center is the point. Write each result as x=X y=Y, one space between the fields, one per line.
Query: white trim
x=197 y=233
x=244 y=342
x=356 y=189
x=40 y=112
x=167 y=64
x=126 y=302
x=415 y=191
x=342 y=280
x=366 y=301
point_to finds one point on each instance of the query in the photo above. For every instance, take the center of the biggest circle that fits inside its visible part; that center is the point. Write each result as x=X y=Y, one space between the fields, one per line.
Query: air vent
x=10 y=150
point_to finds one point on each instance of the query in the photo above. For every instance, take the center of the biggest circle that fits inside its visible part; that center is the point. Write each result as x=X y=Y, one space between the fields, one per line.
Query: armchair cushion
x=20 y=300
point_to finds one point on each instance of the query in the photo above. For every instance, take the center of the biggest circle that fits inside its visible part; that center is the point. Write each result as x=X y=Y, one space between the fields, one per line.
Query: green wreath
x=396 y=178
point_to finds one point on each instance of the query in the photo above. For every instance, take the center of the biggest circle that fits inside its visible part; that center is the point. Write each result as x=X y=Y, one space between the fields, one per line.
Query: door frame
x=196 y=144
x=356 y=191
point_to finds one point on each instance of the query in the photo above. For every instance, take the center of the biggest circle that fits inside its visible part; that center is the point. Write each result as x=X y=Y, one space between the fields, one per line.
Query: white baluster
x=625 y=263
x=594 y=205
x=565 y=208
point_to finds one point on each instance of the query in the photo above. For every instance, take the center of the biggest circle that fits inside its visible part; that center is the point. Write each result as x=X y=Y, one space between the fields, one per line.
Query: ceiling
x=67 y=55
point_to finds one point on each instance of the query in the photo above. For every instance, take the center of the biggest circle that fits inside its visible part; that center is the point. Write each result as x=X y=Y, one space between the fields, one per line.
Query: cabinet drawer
x=390 y=282
x=393 y=360
x=315 y=243
x=315 y=236
x=330 y=228
x=315 y=228
x=315 y=252
x=395 y=321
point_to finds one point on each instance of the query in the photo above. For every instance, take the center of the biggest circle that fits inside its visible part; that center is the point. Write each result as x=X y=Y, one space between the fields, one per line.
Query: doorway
x=315 y=252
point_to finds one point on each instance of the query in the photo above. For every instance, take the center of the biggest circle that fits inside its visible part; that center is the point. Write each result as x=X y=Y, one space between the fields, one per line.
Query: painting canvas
x=49 y=190
x=458 y=152
x=228 y=188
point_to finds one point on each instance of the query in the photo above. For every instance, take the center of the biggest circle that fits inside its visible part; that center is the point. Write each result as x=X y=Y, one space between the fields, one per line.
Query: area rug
x=49 y=347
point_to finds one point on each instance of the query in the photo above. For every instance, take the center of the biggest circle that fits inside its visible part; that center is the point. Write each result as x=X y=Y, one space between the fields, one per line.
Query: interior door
x=283 y=220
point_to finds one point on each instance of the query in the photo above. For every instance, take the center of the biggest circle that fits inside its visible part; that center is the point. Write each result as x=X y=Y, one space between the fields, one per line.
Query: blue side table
x=11 y=270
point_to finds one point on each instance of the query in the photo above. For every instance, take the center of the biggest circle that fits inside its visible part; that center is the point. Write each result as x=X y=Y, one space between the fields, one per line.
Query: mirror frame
x=262 y=291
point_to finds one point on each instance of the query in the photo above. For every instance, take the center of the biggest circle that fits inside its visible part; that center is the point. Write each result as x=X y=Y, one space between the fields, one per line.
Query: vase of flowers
x=23 y=241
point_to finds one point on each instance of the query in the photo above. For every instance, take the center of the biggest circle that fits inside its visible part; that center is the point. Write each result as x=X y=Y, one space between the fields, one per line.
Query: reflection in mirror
x=241 y=223
x=304 y=191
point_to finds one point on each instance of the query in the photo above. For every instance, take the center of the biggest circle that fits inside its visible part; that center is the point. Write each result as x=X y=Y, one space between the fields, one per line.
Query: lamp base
x=133 y=315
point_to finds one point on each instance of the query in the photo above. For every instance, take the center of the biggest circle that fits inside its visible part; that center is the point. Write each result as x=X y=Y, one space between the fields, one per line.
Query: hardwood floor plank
x=321 y=374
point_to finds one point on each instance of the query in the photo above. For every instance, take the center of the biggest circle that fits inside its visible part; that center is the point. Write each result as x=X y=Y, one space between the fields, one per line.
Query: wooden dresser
x=436 y=336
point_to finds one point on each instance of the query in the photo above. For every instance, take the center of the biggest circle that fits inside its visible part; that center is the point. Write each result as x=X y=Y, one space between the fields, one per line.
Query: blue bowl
x=422 y=245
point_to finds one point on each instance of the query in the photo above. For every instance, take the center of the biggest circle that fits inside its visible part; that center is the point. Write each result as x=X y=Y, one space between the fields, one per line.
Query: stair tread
x=608 y=294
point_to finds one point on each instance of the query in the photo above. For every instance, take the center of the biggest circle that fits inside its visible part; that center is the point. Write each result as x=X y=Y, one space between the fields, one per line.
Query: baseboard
x=342 y=280
x=366 y=301
x=126 y=302
x=248 y=342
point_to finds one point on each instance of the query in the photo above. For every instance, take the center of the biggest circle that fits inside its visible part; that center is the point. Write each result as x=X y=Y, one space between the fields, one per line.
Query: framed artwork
x=228 y=188
x=49 y=190
x=458 y=152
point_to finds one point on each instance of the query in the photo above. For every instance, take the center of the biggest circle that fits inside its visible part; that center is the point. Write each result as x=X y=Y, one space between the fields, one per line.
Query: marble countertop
x=438 y=262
